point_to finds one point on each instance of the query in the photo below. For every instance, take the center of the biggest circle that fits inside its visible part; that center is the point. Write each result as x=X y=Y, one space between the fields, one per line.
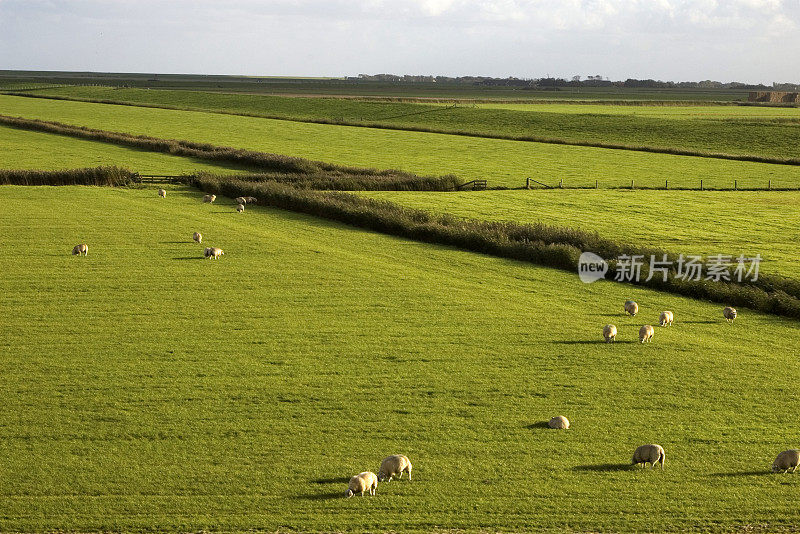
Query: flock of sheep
x=394 y=465
x=397 y=464
x=654 y=454
x=665 y=319
x=209 y=252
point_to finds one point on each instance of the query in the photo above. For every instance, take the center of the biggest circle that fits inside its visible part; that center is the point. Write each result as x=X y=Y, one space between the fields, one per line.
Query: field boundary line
x=481 y=135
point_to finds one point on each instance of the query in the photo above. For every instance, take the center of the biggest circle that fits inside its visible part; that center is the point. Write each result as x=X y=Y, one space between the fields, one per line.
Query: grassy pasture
x=503 y=163
x=688 y=222
x=148 y=389
x=767 y=132
x=22 y=149
x=685 y=112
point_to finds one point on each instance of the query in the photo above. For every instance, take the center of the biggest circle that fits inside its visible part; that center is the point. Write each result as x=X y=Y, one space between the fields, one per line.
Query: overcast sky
x=736 y=40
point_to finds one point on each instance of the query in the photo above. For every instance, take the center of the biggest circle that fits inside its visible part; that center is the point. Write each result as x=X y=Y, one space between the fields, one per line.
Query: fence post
x=666 y=184
x=527 y=183
x=595 y=184
x=769 y=184
x=701 y=184
x=735 y=185
x=631 y=184
x=561 y=183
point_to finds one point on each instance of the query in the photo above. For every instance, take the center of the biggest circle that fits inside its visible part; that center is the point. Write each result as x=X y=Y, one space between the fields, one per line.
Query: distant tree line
x=575 y=81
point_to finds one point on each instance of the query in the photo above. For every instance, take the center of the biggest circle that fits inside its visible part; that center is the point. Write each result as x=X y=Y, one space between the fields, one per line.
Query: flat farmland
x=241 y=393
x=502 y=162
x=23 y=149
x=672 y=112
x=740 y=130
x=684 y=222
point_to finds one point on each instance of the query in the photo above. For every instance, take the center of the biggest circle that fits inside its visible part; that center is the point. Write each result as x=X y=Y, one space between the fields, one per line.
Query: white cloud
x=667 y=39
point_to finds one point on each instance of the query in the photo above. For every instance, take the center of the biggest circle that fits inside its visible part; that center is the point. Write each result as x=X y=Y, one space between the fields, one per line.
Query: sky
x=751 y=41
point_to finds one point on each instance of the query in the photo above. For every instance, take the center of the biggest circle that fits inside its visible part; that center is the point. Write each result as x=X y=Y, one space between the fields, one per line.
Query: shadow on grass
x=743 y=473
x=190 y=258
x=322 y=496
x=335 y=480
x=174 y=242
x=590 y=342
x=602 y=468
x=228 y=212
x=539 y=424
x=700 y=322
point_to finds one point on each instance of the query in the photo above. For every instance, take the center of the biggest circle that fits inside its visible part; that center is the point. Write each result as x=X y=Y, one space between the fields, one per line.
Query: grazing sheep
x=209 y=198
x=631 y=308
x=665 y=319
x=394 y=465
x=197 y=237
x=558 y=421
x=213 y=252
x=646 y=333
x=80 y=249
x=729 y=314
x=366 y=481
x=653 y=454
x=240 y=200
x=162 y=193
x=250 y=200
x=787 y=461
x=610 y=333
x=240 y=208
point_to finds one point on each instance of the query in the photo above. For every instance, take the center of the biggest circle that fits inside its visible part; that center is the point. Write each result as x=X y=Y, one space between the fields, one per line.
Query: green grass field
x=672 y=112
x=687 y=222
x=22 y=149
x=741 y=130
x=501 y=162
x=149 y=389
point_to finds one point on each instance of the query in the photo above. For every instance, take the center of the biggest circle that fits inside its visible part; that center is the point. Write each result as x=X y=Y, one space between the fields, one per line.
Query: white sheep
x=394 y=465
x=197 y=237
x=240 y=208
x=646 y=333
x=162 y=193
x=787 y=461
x=652 y=454
x=729 y=314
x=665 y=319
x=610 y=333
x=240 y=200
x=83 y=248
x=558 y=421
x=213 y=252
x=631 y=308
x=366 y=481
x=250 y=200
x=209 y=198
